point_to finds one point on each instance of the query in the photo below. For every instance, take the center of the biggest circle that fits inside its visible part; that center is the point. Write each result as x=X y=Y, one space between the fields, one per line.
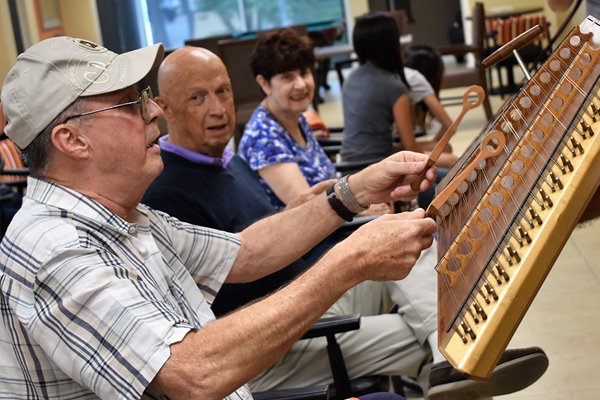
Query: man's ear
x=163 y=104
x=264 y=84
x=67 y=139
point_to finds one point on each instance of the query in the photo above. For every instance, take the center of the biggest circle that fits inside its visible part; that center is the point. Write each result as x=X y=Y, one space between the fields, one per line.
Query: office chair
x=342 y=387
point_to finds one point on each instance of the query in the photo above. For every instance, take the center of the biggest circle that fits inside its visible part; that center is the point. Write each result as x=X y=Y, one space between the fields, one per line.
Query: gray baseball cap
x=53 y=73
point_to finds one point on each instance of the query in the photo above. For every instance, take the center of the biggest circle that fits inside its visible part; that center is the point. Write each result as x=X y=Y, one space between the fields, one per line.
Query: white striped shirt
x=90 y=303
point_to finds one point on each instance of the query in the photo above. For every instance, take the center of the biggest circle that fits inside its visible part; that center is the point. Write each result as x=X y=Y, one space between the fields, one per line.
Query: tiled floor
x=564 y=318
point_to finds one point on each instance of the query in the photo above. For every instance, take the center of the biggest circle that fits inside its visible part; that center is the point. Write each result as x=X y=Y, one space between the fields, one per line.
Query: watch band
x=348 y=197
x=337 y=204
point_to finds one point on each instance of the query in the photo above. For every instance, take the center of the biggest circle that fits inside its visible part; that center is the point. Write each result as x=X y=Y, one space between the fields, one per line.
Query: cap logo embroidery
x=99 y=75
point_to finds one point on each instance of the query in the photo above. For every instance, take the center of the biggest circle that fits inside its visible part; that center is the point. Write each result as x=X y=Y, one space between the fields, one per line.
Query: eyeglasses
x=143 y=101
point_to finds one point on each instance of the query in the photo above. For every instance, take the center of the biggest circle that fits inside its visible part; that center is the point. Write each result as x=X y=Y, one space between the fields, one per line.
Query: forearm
x=439 y=113
x=285 y=180
x=219 y=358
x=276 y=241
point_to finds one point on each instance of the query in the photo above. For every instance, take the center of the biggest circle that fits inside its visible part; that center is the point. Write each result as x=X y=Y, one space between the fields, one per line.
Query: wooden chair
x=235 y=54
x=13 y=181
x=464 y=76
x=210 y=43
x=502 y=30
x=13 y=171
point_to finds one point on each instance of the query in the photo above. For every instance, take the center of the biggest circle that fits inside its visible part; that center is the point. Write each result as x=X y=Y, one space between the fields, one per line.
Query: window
x=174 y=21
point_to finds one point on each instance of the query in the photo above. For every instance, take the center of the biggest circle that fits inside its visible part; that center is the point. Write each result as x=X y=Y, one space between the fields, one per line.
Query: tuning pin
x=595 y=112
x=587 y=128
x=485 y=298
x=584 y=128
x=577 y=145
x=468 y=330
x=571 y=149
x=479 y=310
x=566 y=162
x=474 y=316
x=535 y=216
x=513 y=253
x=498 y=281
x=546 y=198
x=525 y=235
x=560 y=167
x=517 y=238
x=502 y=272
x=556 y=181
x=491 y=291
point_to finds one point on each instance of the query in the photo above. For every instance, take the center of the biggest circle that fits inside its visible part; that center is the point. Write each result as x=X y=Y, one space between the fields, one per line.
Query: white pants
x=385 y=344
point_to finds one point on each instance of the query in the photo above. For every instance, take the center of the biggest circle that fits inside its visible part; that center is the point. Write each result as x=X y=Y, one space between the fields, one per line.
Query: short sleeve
x=95 y=319
x=419 y=85
x=265 y=142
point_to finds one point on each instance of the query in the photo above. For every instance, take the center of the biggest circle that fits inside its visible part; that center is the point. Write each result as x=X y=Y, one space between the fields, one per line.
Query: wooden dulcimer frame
x=506 y=209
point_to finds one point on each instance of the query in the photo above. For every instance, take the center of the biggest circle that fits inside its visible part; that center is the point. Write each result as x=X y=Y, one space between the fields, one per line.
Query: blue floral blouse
x=265 y=142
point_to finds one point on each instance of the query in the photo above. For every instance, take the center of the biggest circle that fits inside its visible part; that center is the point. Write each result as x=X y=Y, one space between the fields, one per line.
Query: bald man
x=203 y=182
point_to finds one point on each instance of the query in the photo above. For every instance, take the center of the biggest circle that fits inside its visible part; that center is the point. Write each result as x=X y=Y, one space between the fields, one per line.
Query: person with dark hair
x=278 y=142
x=424 y=69
x=376 y=96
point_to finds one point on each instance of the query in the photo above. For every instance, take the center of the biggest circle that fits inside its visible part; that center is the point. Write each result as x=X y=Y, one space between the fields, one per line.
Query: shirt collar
x=194 y=156
x=69 y=200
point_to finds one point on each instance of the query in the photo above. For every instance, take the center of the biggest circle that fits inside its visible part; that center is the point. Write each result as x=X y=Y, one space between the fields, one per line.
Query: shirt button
x=132 y=230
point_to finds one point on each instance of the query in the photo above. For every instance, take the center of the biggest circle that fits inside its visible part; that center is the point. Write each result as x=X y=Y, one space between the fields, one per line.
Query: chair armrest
x=336 y=129
x=332 y=149
x=15 y=171
x=319 y=392
x=329 y=142
x=332 y=325
x=324 y=327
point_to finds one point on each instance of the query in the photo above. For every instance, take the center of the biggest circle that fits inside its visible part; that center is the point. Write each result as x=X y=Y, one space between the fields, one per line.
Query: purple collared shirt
x=193 y=156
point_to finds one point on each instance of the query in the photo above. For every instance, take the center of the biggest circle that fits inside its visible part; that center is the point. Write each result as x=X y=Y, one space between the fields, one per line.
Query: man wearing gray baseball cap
x=102 y=297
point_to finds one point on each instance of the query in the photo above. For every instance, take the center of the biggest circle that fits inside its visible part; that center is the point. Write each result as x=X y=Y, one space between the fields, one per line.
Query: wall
x=8 y=50
x=80 y=19
x=357 y=7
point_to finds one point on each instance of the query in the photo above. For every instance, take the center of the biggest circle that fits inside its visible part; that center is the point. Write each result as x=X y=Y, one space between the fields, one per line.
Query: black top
x=227 y=199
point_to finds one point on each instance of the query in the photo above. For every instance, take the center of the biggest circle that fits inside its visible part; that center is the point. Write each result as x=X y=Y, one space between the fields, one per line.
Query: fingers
x=322 y=186
x=418 y=213
x=408 y=157
x=424 y=226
